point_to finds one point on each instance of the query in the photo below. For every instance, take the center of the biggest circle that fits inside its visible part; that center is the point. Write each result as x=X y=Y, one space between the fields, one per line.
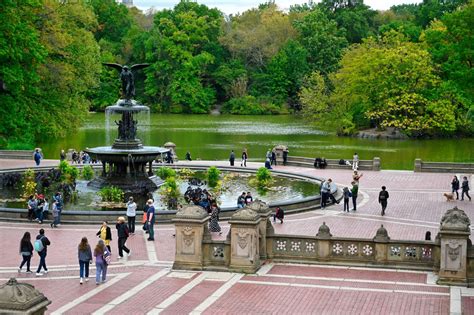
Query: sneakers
x=80 y=281
x=39 y=274
x=129 y=253
x=45 y=272
x=28 y=271
x=19 y=270
x=87 y=279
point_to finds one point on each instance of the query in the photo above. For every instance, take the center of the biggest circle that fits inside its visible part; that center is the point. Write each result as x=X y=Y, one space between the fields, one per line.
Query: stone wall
x=444 y=167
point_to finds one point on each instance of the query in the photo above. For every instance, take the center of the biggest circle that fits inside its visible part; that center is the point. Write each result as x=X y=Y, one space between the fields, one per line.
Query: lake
x=212 y=137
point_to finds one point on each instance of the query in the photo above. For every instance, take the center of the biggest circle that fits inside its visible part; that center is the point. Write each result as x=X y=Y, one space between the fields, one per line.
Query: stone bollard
x=376 y=164
x=381 y=245
x=324 y=245
x=244 y=247
x=454 y=236
x=172 y=147
x=265 y=225
x=279 y=152
x=418 y=165
x=191 y=228
x=21 y=298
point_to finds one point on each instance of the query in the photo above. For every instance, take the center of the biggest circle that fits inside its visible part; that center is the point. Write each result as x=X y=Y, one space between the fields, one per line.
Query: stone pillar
x=279 y=152
x=172 y=147
x=265 y=225
x=381 y=245
x=191 y=228
x=454 y=236
x=21 y=298
x=244 y=247
x=324 y=245
x=418 y=165
x=376 y=164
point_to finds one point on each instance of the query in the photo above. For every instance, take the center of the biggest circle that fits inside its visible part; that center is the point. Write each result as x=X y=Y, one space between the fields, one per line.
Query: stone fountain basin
x=144 y=154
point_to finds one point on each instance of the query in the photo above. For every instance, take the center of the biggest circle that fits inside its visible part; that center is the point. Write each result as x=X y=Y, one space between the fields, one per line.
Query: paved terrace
x=145 y=283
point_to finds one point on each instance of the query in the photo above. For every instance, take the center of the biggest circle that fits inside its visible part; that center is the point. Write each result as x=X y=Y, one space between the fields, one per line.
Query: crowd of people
x=39 y=208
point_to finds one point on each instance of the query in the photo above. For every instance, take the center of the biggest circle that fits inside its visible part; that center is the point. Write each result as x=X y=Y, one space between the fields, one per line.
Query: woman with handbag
x=100 y=254
x=26 y=251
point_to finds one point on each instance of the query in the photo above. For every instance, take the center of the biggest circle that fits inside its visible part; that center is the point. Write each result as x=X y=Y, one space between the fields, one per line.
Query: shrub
x=165 y=172
x=111 y=194
x=169 y=192
x=264 y=177
x=213 y=176
x=68 y=173
x=185 y=173
x=29 y=183
x=87 y=172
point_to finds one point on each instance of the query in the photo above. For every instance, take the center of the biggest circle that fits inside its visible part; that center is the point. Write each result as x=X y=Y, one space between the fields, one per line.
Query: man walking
x=354 y=192
x=37 y=157
x=465 y=188
x=383 y=196
x=131 y=214
x=122 y=233
x=41 y=247
x=150 y=219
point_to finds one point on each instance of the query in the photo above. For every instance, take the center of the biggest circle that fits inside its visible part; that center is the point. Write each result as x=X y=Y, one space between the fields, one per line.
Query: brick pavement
x=415 y=205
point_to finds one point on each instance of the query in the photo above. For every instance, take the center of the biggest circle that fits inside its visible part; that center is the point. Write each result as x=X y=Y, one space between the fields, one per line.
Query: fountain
x=127 y=164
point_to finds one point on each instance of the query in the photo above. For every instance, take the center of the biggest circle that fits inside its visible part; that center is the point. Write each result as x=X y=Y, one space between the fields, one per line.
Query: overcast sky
x=234 y=6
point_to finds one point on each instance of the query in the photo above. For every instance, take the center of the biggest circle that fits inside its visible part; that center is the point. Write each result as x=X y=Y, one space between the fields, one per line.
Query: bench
x=367 y=165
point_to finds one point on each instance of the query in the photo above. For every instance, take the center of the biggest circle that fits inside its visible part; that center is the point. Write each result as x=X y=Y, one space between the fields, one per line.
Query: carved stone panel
x=243 y=240
x=188 y=235
x=453 y=255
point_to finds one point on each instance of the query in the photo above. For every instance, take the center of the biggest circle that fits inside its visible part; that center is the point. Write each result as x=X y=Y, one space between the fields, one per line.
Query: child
x=55 y=214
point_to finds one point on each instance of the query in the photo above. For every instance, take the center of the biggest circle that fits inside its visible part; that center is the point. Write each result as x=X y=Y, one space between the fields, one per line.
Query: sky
x=235 y=6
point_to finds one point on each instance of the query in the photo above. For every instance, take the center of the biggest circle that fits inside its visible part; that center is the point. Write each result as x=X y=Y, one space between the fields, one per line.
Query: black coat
x=122 y=230
x=108 y=234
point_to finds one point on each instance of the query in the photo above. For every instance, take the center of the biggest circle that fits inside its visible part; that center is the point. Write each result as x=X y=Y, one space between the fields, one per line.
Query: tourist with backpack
x=102 y=259
x=37 y=157
x=122 y=233
x=26 y=251
x=41 y=247
x=84 y=255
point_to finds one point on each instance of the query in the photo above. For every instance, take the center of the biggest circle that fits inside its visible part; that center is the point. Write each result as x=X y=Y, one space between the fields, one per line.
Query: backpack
x=342 y=162
x=39 y=246
x=107 y=257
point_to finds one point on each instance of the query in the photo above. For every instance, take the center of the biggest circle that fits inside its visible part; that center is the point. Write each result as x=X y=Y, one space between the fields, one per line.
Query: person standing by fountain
x=131 y=215
x=150 y=220
x=122 y=233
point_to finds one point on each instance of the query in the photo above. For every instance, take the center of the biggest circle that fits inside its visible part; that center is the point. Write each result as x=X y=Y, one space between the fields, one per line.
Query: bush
x=264 y=177
x=111 y=194
x=68 y=173
x=29 y=183
x=213 y=176
x=250 y=105
x=170 y=192
x=165 y=172
x=87 y=172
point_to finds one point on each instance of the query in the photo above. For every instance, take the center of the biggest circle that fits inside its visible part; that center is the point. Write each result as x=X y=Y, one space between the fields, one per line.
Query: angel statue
x=126 y=76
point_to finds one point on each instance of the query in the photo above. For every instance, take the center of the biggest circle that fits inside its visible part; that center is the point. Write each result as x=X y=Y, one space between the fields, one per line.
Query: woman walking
x=245 y=156
x=122 y=233
x=105 y=234
x=26 y=251
x=84 y=254
x=455 y=186
x=100 y=254
x=214 y=222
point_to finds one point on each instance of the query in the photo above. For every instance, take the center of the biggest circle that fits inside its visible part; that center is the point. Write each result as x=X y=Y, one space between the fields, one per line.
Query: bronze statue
x=126 y=76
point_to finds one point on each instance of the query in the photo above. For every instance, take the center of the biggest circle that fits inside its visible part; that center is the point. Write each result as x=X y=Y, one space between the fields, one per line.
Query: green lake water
x=213 y=137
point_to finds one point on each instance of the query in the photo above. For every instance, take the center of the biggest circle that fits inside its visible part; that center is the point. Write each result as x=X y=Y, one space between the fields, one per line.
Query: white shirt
x=131 y=209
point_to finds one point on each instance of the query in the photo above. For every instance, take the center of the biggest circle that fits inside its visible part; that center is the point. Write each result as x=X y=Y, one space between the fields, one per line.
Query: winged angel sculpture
x=126 y=76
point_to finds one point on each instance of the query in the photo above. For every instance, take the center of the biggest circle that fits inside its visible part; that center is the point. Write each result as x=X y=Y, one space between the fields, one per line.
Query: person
x=326 y=190
x=100 y=251
x=323 y=163
x=279 y=214
x=84 y=254
x=428 y=236
x=317 y=162
x=232 y=158
x=248 y=198
x=356 y=177
x=455 y=186
x=354 y=192
x=355 y=161
x=41 y=246
x=45 y=210
x=268 y=165
x=214 y=221
x=150 y=219
x=269 y=154
x=26 y=251
x=59 y=204
x=37 y=157
x=245 y=156
x=346 y=193
x=62 y=155
x=285 y=156
x=465 y=189
x=187 y=157
x=122 y=234
x=32 y=207
x=39 y=209
x=55 y=211
x=383 y=196
x=274 y=158
x=74 y=157
x=105 y=234
x=131 y=215
x=169 y=157
x=241 y=200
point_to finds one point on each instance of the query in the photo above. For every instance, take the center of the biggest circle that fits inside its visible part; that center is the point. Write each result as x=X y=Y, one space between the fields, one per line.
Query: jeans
x=346 y=204
x=131 y=224
x=83 y=266
x=384 y=206
x=101 y=269
x=56 y=221
x=151 y=232
x=231 y=162
x=122 y=247
x=240 y=205
x=354 y=202
x=324 y=199
x=27 y=260
x=355 y=165
x=42 y=262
